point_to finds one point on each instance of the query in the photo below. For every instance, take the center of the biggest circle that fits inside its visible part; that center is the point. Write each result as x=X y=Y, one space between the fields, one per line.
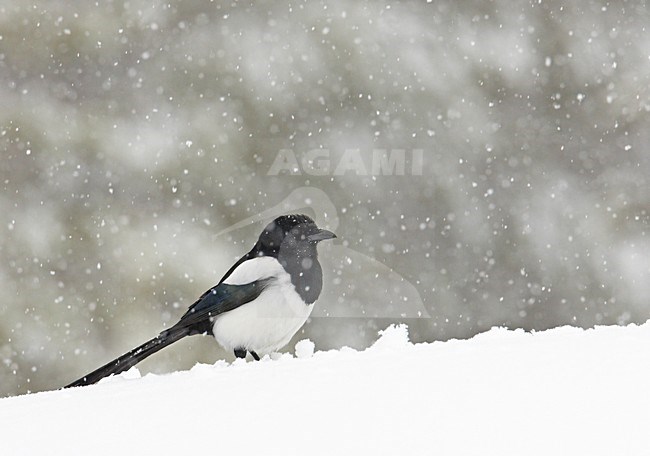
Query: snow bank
x=563 y=391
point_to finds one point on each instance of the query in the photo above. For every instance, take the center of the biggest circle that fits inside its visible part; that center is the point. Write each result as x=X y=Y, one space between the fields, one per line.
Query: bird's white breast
x=267 y=323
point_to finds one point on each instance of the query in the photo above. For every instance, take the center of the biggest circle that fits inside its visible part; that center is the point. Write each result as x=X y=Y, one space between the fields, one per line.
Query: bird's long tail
x=133 y=357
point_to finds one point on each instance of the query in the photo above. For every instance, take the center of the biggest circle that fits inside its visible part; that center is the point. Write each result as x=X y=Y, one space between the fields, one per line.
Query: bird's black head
x=295 y=234
x=292 y=239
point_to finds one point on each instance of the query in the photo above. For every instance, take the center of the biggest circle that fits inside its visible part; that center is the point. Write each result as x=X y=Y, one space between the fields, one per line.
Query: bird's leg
x=240 y=352
x=255 y=356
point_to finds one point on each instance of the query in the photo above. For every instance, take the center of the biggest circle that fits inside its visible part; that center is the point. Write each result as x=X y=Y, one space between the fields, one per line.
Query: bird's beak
x=321 y=235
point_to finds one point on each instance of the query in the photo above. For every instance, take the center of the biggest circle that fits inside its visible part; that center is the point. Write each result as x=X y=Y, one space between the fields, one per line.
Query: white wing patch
x=255 y=269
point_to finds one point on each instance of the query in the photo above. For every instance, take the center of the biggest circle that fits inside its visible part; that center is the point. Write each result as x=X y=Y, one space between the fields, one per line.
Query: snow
x=305 y=349
x=561 y=391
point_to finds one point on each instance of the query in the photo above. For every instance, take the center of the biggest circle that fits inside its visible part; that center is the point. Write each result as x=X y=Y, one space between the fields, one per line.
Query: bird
x=257 y=306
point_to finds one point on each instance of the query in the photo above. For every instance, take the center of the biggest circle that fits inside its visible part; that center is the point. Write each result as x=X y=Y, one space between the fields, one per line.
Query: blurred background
x=483 y=163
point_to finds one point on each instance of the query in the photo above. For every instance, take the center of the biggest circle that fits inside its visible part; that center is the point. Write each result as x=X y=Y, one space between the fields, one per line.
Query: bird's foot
x=241 y=353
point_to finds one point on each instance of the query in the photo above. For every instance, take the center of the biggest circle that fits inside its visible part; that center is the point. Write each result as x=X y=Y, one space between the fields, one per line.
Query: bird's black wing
x=217 y=300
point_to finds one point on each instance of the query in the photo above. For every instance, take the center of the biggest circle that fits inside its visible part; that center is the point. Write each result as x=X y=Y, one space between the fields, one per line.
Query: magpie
x=258 y=305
